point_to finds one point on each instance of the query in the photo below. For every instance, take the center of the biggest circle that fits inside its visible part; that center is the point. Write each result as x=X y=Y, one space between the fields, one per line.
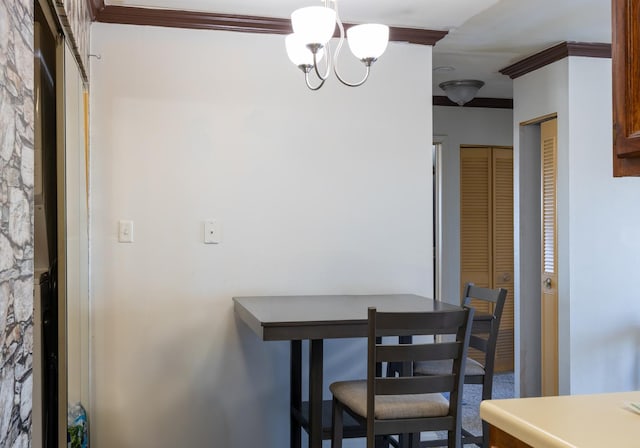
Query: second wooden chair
x=407 y=404
x=484 y=339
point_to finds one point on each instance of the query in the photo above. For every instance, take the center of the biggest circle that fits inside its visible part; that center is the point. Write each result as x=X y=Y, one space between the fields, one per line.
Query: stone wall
x=16 y=221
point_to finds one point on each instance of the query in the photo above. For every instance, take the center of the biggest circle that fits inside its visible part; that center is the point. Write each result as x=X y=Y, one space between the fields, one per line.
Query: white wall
x=457 y=126
x=598 y=248
x=604 y=246
x=325 y=192
x=537 y=94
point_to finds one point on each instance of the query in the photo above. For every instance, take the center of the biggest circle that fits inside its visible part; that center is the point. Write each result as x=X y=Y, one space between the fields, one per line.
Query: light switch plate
x=212 y=232
x=125 y=231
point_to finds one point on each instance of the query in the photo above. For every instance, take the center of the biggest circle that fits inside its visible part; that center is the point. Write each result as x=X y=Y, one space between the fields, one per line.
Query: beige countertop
x=584 y=421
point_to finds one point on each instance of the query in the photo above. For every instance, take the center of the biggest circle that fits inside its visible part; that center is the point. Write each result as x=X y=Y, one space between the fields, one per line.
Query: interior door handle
x=547 y=283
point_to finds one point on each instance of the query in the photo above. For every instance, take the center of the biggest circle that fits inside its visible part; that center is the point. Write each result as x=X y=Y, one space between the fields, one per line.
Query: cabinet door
x=626 y=87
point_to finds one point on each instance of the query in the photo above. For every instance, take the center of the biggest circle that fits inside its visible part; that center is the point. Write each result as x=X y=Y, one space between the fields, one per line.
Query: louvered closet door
x=503 y=251
x=475 y=222
x=549 y=298
x=486 y=233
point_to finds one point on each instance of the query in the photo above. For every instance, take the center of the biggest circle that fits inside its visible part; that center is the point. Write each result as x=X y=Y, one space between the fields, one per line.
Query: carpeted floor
x=471 y=397
x=502 y=388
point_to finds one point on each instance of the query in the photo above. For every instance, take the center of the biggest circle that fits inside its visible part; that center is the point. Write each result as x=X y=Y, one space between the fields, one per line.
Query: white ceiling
x=484 y=35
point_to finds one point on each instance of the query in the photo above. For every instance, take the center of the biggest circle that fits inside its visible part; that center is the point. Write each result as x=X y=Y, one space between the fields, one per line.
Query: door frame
x=527 y=260
x=437 y=147
x=549 y=278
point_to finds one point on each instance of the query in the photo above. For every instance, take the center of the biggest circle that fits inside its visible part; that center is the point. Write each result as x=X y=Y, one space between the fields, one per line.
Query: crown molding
x=228 y=22
x=415 y=35
x=95 y=6
x=192 y=20
x=556 y=53
x=490 y=103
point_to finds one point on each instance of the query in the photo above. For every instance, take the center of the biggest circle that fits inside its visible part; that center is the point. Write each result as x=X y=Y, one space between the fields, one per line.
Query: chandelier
x=461 y=91
x=313 y=28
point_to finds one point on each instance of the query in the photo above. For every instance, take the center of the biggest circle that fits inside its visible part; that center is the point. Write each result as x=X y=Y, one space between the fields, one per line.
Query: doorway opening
x=529 y=241
x=436 y=158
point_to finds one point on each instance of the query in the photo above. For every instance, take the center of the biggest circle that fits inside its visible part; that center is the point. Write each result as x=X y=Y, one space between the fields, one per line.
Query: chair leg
x=403 y=441
x=336 y=424
x=454 y=439
x=382 y=442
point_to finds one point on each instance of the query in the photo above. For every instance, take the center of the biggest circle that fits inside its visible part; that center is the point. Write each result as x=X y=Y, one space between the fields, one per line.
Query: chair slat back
x=476 y=292
x=456 y=324
x=417 y=352
x=487 y=326
x=479 y=343
x=415 y=385
x=418 y=323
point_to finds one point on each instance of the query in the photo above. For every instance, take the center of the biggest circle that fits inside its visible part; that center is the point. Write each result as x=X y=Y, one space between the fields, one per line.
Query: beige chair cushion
x=472 y=367
x=354 y=395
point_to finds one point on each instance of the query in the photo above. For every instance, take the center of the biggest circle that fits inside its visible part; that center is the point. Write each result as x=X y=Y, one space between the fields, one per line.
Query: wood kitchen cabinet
x=626 y=87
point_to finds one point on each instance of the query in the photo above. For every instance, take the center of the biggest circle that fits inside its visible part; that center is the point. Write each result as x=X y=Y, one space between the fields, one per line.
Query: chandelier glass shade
x=314 y=24
x=298 y=53
x=461 y=91
x=368 y=41
x=313 y=28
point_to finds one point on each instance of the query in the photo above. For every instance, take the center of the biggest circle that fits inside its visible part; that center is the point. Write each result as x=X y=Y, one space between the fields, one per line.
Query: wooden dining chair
x=407 y=404
x=489 y=304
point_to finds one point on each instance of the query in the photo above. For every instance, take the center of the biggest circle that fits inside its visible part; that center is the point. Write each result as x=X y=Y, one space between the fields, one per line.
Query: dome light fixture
x=313 y=28
x=461 y=91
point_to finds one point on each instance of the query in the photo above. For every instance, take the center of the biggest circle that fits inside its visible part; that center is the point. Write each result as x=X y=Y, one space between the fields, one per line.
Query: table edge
x=320 y=329
x=519 y=428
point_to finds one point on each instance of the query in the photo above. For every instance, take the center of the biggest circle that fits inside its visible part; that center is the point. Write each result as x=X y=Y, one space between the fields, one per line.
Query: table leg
x=315 y=393
x=295 y=393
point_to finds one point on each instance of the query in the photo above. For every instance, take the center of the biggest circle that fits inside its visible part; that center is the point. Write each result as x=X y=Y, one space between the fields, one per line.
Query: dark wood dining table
x=316 y=318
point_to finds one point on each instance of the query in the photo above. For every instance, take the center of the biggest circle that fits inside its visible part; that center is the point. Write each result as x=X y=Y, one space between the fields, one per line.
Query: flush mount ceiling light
x=313 y=28
x=461 y=91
